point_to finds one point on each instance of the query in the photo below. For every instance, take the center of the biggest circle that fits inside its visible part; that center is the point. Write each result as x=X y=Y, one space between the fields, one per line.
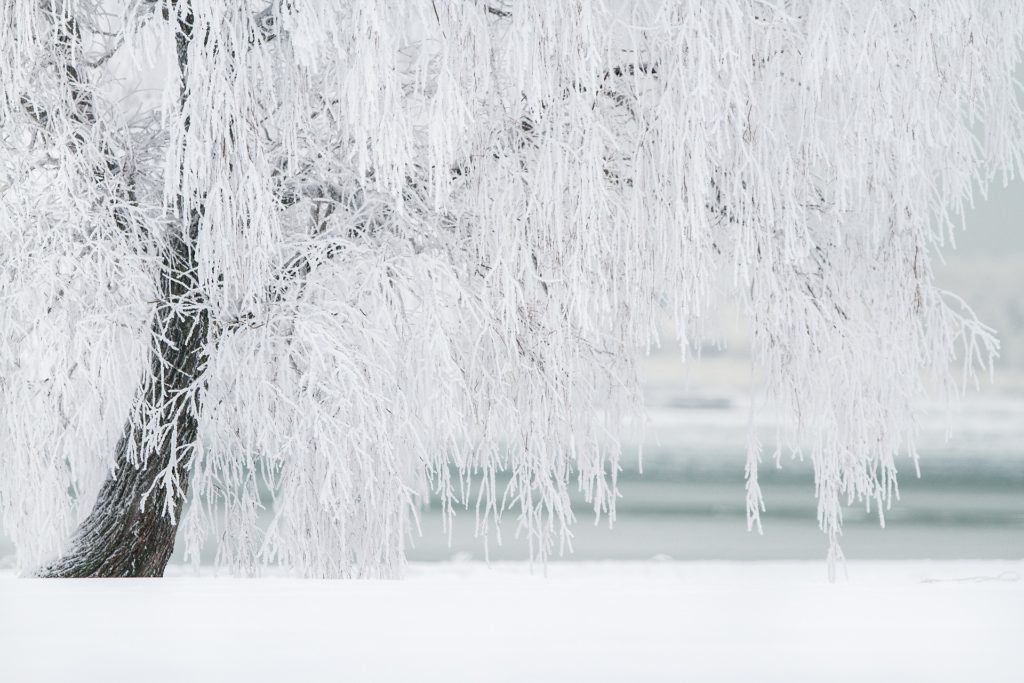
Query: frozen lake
x=689 y=503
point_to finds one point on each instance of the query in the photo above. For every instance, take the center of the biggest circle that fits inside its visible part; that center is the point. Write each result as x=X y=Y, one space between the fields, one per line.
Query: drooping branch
x=110 y=171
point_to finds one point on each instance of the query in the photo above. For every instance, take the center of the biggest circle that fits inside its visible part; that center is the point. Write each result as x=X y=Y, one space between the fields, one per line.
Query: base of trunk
x=121 y=537
x=129 y=532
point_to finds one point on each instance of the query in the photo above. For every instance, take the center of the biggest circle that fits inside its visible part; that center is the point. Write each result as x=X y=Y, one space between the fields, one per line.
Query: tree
x=366 y=254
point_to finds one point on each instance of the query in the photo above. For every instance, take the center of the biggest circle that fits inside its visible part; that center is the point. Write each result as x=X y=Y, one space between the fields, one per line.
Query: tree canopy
x=415 y=245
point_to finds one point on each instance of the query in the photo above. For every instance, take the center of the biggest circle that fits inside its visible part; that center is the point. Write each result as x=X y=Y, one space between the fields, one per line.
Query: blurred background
x=689 y=503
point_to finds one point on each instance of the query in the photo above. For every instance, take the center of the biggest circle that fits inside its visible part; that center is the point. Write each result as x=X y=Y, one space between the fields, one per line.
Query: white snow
x=652 y=621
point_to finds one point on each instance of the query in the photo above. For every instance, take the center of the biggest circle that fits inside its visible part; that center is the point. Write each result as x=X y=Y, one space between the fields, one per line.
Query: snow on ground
x=651 y=621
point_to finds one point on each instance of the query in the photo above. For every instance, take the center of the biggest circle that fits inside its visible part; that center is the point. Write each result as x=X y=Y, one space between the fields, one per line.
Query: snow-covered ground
x=669 y=621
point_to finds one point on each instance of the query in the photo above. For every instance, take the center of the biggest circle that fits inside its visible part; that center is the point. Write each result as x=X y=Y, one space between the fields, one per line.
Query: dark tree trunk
x=128 y=532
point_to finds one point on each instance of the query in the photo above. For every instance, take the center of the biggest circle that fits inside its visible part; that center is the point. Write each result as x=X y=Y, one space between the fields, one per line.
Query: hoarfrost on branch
x=432 y=237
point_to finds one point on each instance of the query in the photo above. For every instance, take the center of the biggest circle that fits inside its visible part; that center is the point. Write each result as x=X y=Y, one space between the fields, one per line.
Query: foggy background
x=690 y=501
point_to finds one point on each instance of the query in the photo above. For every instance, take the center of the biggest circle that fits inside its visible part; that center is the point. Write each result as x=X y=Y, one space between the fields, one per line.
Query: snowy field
x=669 y=621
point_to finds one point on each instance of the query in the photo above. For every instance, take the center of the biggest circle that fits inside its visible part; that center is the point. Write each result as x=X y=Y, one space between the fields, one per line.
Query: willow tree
x=373 y=253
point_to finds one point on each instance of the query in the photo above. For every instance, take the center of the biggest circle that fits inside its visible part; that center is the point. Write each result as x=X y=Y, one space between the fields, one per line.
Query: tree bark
x=129 y=531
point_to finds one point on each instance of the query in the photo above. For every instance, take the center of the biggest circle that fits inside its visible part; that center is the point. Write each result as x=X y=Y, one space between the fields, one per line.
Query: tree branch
x=490 y=9
x=83 y=114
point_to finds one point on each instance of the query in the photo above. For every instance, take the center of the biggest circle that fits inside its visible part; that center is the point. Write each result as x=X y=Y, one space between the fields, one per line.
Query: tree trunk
x=129 y=532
